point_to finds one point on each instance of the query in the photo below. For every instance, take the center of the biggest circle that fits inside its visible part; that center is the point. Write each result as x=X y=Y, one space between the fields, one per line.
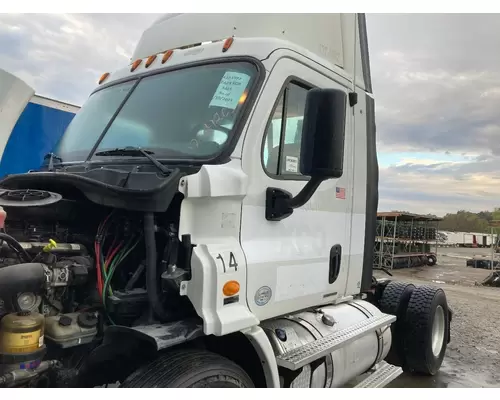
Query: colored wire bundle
x=109 y=258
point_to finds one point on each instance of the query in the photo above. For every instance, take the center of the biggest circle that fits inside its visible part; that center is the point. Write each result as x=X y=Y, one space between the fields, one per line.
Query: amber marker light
x=103 y=77
x=135 y=64
x=231 y=288
x=150 y=60
x=227 y=44
x=166 y=56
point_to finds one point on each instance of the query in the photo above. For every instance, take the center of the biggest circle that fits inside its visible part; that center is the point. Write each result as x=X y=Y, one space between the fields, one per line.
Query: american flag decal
x=340 y=193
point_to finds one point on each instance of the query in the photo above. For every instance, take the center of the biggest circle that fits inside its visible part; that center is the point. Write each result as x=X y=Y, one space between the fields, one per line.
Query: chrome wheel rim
x=438 y=328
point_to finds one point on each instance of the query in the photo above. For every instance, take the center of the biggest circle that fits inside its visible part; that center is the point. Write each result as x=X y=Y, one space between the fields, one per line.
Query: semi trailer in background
x=466 y=239
x=30 y=125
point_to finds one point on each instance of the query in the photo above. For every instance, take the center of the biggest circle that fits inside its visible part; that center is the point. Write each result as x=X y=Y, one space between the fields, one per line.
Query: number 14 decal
x=232 y=262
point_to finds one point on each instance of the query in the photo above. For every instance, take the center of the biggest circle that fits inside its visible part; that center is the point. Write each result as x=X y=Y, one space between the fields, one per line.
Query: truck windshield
x=188 y=113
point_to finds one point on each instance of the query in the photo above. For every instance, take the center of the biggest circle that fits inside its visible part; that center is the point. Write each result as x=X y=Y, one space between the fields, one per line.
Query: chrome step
x=384 y=374
x=300 y=356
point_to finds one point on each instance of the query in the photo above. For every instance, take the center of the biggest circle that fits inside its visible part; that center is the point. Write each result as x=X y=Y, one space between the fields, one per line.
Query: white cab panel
x=288 y=261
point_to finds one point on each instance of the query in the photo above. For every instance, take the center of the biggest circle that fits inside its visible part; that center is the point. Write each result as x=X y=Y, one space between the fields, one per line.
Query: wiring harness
x=111 y=255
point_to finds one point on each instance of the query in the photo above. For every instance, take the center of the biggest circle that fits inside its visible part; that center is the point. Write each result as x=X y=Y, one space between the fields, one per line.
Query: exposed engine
x=70 y=267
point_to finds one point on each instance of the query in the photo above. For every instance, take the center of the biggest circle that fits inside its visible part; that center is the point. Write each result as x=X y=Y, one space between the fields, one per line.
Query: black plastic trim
x=365 y=55
x=353 y=99
x=335 y=263
x=372 y=176
x=147 y=192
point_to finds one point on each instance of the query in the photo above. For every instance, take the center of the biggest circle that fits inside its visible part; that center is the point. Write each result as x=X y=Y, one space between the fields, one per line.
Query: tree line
x=466 y=221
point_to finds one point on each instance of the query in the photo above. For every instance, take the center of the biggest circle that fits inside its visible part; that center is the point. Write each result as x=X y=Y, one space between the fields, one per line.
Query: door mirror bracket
x=280 y=203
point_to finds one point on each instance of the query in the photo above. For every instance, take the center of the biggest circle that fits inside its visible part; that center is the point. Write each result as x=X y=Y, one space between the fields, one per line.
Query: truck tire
x=427 y=328
x=432 y=260
x=189 y=369
x=394 y=301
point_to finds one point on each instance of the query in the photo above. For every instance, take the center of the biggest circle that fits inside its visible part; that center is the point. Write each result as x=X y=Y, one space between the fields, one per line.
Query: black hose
x=151 y=271
x=15 y=245
x=19 y=278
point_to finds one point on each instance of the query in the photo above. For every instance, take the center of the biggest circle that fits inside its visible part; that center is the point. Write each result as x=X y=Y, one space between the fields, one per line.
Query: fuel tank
x=340 y=366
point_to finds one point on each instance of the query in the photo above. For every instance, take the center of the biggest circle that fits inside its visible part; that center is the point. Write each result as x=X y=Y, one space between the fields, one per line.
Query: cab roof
x=336 y=39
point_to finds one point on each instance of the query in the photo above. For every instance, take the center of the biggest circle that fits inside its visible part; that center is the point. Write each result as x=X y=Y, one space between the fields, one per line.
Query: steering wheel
x=204 y=146
x=200 y=127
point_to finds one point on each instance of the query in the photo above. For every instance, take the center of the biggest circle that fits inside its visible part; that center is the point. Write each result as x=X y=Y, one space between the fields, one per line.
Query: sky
x=436 y=80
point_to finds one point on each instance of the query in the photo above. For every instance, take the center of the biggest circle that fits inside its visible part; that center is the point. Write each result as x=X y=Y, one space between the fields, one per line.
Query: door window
x=283 y=138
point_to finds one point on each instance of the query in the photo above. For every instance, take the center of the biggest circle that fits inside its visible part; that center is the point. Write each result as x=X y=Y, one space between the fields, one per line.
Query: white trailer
x=225 y=186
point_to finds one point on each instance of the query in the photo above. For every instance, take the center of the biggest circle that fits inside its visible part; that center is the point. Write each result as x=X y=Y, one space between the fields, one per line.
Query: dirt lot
x=473 y=356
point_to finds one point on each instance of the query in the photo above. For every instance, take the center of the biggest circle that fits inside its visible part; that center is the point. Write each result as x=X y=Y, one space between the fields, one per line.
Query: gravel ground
x=473 y=356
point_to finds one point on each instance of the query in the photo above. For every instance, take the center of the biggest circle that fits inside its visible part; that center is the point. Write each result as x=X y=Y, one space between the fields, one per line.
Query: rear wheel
x=394 y=301
x=189 y=369
x=427 y=328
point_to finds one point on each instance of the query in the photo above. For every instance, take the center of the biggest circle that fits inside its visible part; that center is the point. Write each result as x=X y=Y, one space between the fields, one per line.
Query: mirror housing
x=321 y=153
x=323 y=134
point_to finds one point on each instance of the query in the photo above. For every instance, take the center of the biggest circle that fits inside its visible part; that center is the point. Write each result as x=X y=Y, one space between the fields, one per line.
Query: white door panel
x=288 y=262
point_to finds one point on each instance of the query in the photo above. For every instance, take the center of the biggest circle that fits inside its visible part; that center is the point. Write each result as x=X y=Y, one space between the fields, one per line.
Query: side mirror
x=321 y=153
x=323 y=134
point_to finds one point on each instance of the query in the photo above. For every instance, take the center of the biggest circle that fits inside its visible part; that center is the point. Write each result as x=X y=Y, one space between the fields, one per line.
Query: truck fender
x=264 y=350
x=158 y=336
x=123 y=349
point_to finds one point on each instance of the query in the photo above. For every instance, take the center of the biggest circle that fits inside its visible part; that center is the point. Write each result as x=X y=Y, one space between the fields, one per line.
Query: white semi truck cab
x=208 y=220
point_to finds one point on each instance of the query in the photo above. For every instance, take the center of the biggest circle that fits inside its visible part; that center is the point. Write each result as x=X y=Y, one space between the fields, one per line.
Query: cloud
x=63 y=56
x=441 y=187
x=437 y=88
x=435 y=76
x=436 y=81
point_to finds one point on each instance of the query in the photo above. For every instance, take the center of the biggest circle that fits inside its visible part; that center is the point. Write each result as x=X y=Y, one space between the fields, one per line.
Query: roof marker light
x=150 y=60
x=227 y=44
x=103 y=77
x=166 y=56
x=135 y=64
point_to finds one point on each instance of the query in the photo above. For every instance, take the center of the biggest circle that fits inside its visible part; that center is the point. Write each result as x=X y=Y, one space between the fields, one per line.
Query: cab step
x=300 y=356
x=383 y=374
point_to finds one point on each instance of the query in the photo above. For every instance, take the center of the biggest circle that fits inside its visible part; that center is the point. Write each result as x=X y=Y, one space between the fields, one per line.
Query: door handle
x=335 y=261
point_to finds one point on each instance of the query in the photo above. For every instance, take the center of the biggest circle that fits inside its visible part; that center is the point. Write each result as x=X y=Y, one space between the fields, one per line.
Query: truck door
x=301 y=260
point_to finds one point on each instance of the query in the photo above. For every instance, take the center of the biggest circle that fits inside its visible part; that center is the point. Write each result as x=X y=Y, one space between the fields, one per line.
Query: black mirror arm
x=306 y=193
x=280 y=203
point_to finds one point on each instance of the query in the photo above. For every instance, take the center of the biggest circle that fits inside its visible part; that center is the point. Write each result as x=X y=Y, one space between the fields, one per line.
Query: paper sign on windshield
x=230 y=89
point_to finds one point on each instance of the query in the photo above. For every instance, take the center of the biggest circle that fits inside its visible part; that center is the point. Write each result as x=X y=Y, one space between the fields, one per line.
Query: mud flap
x=450 y=317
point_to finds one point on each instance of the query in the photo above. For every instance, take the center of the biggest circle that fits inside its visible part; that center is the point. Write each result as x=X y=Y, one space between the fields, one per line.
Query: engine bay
x=70 y=268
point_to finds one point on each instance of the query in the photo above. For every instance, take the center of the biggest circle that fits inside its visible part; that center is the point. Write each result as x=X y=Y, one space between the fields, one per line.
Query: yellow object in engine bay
x=21 y=333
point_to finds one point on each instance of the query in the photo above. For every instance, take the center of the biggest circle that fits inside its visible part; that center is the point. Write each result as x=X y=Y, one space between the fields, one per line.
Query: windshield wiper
x=135 y=152
x=51 y=157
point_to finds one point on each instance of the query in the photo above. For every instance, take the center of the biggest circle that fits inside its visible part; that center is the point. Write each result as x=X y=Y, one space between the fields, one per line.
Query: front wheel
x=189 y=369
